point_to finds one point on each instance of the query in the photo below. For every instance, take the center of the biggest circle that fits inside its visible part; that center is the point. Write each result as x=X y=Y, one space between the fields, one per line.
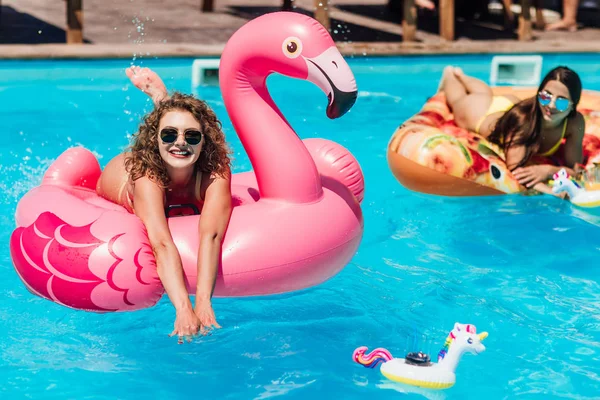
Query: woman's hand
x=543 y=188
x=533 y=174
x=206 y=316
x=187 y=324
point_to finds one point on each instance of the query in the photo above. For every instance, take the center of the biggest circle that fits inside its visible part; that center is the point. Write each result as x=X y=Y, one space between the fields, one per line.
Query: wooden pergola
x=321 y=10
x=74 y=21
x=447 y=20
x=409 y=23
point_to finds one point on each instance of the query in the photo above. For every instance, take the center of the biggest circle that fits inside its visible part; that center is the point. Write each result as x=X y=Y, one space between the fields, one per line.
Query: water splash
x=138 y=33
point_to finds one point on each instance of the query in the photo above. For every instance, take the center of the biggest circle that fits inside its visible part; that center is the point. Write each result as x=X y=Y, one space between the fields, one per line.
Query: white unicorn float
x=417 y=369
x=577 y=194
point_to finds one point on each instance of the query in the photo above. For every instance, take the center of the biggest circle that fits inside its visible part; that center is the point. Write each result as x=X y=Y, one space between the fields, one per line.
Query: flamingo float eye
x=496 y=172
x=292 y=47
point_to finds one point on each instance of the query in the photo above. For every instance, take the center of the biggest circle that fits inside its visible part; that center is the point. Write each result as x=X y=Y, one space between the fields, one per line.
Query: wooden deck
x=202 y=27
x=321 y=8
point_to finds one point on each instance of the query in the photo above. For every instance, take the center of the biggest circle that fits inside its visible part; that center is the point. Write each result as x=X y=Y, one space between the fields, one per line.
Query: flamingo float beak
x=331 y=73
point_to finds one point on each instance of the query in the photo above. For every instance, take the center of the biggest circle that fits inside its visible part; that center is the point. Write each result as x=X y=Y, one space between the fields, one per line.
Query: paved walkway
x=120 y=28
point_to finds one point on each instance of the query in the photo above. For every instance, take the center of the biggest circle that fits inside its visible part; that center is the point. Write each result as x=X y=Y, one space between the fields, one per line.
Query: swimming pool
x=521 y=268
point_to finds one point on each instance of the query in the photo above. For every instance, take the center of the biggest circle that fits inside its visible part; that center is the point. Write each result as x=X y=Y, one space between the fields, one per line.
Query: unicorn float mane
x=452 y=337
x=372 y=359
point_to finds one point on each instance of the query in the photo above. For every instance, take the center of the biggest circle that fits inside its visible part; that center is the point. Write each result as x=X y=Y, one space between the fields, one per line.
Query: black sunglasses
x=169 y=135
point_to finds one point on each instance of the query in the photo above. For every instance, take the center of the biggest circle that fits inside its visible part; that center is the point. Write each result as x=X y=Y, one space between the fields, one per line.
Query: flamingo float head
x=296 y=46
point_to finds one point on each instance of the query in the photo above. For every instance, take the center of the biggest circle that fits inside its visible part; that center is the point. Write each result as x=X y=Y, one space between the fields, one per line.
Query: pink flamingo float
x=296 y=220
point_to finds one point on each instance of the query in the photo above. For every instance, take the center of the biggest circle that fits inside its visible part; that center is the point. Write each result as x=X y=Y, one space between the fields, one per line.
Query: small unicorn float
x=578 y=195
x=417 y=369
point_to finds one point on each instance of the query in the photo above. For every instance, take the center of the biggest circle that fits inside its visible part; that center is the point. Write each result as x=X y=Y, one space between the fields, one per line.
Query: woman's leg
x=473 y=85
x=569 y=19
x=428 y=4
x=110 y=183
x=453 y=88
x=469 y=98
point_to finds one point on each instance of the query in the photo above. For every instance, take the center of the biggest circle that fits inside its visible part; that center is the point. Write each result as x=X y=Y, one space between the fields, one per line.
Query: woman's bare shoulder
x=576 y=125
x=209 y=178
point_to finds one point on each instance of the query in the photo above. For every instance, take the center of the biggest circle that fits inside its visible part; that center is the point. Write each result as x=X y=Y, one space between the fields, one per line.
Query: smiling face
x=180 y=139
x=555 y=101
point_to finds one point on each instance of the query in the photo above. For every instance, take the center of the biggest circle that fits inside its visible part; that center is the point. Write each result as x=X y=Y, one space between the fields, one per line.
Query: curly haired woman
x=179 y=156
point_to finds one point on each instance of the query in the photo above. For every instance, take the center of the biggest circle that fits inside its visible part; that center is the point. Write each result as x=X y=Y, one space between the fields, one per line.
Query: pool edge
x=65 y=51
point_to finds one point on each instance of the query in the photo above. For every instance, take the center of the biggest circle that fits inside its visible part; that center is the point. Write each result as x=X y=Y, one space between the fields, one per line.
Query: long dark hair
x=522 y=124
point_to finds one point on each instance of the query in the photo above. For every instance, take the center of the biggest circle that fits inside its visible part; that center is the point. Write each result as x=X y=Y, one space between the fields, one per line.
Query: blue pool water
x=522 y=268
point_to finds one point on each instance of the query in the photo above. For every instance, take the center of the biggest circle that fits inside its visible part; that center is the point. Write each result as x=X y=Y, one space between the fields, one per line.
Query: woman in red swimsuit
x=179 y=156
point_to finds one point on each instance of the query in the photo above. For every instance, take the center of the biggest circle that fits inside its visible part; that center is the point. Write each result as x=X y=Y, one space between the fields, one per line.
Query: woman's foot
x=562 y=25
x=458 y=72
x=447 y=71
x=148 y=82
x=460 y=75
x=425 y=4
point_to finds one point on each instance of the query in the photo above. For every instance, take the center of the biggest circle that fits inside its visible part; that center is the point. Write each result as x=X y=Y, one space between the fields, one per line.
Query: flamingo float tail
x=335 y=162
x=76 y=167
